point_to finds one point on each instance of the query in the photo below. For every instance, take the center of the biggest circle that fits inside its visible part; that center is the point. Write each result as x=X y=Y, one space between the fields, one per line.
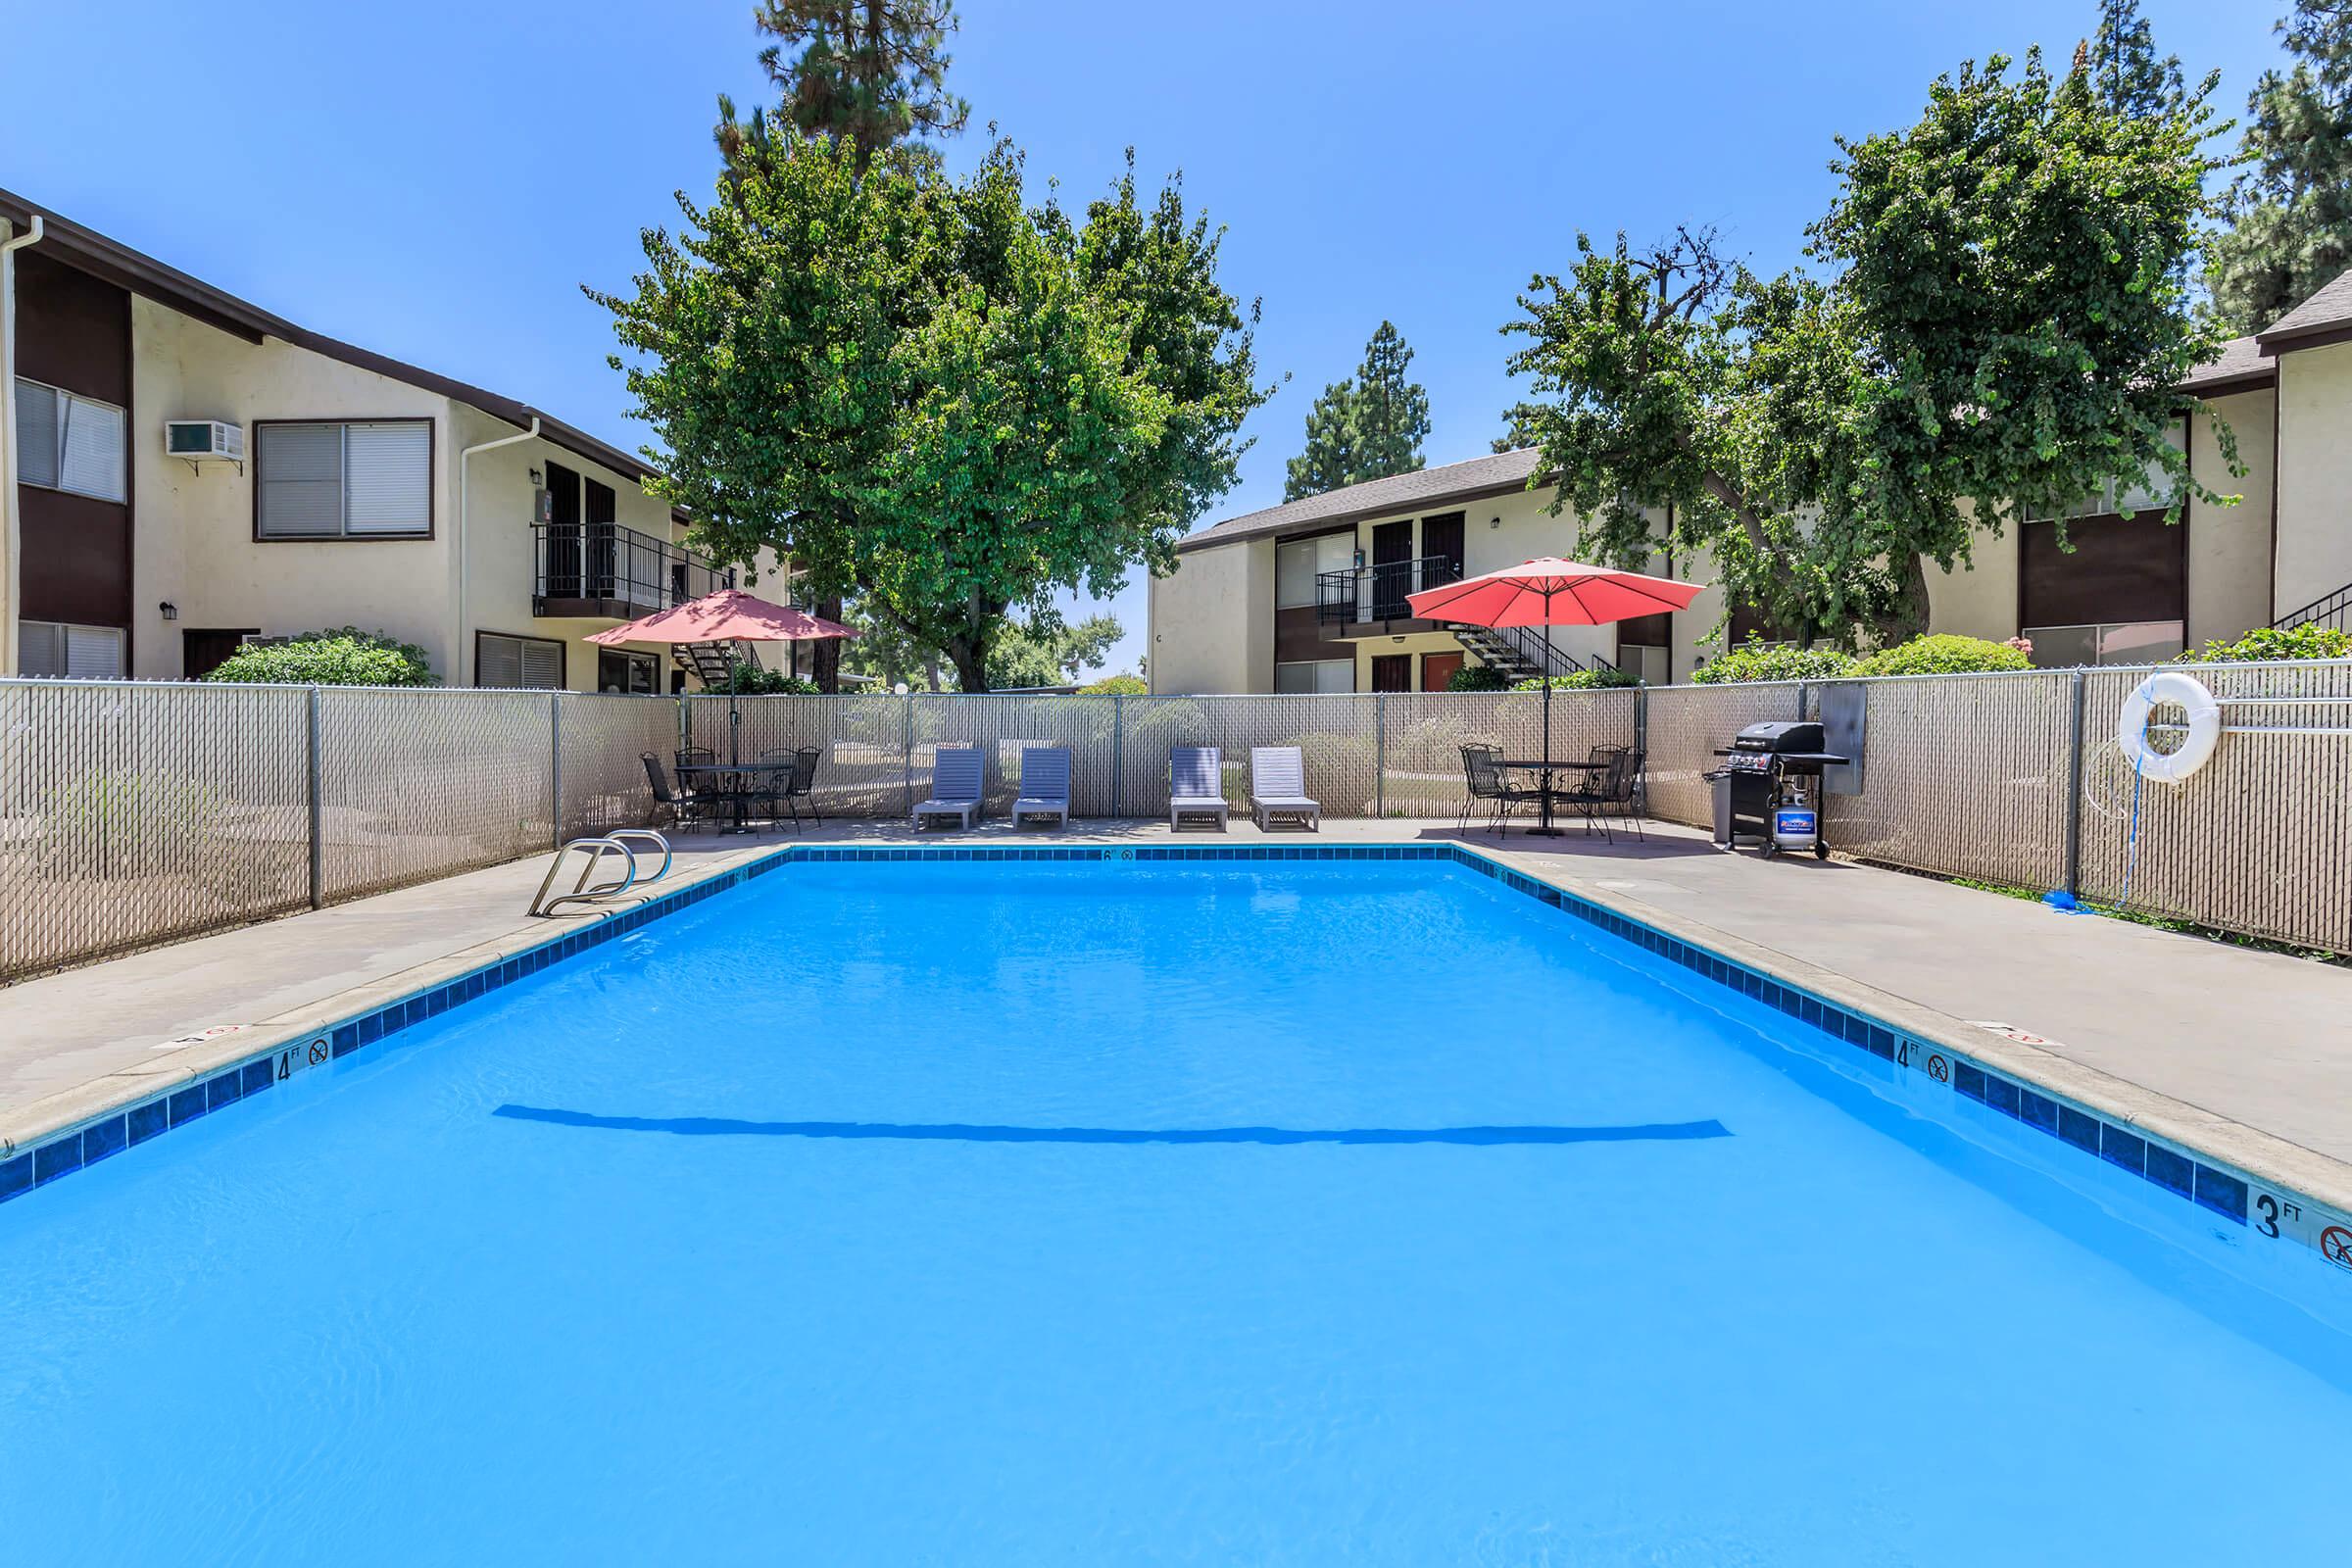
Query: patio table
x=1543 y=826
x=734 y=782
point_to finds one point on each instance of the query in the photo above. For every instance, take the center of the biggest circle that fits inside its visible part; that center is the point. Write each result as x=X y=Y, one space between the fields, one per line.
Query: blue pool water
x=959 y=1213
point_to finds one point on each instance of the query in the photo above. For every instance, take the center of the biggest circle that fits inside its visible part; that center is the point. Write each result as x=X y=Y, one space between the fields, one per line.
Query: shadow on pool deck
x=960 y=1132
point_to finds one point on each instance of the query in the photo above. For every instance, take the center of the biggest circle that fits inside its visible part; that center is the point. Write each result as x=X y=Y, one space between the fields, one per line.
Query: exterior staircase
x=2331 y=610
x=710 y=663
x=1518 y=652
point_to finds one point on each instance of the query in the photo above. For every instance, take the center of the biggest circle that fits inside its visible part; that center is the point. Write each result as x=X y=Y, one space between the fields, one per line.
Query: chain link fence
x=134 y=813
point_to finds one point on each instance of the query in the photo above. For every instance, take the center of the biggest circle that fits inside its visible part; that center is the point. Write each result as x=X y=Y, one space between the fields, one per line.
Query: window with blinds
x=52 y=650
x=347 y=481
x=534 y=664
x=69 y=442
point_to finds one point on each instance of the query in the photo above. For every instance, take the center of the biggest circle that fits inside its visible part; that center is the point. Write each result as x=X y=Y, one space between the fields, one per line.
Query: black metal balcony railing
x=1381 y=592
x=601 y=569
x=2332 y=610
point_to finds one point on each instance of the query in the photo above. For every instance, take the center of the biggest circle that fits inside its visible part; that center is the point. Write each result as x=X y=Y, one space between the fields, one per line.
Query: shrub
x=1944 y=655
x=1583 y=680
x=1117 y=686
x=1475 y=678
x=1779 y=662
x=2269 y=642
x=342 y=656
x=750 y=680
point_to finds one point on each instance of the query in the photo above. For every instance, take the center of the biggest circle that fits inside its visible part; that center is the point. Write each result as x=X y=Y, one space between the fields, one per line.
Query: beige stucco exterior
x=2315 y=473
x=2230 y=546
x=1212 y=630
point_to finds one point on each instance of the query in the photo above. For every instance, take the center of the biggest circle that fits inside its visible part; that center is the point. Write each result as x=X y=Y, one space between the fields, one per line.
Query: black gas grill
x=1769 y=787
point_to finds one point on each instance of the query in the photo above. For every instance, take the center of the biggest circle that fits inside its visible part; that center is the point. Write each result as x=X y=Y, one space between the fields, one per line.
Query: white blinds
x=92 y=461
x=37 y=434
x=324 y=481
x=1296 y=563
x=47 y=648
x=526 y=662
x=299 y=472
x=388 y=477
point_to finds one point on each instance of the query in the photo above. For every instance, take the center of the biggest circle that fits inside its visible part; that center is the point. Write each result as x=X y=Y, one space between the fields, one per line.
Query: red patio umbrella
x=1550 y=592
x=727 y=616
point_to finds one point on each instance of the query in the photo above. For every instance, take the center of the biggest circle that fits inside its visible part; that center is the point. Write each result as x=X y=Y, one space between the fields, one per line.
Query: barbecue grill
x=1769 y=787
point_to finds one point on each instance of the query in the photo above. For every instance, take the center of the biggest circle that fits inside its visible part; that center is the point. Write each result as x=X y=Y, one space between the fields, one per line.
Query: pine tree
x=1367 y=428
x=2124 y=68
x=2291 y=211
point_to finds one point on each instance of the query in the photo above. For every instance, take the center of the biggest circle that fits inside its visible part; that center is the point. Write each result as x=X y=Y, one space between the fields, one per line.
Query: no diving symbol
x=2336 y=1246
x=1940 y=1069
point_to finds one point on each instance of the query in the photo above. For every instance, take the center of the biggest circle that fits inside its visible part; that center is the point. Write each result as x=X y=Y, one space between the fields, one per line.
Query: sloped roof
x=1497 y=475
x=88 y=251
x=2327 y=313
x=2241 y=363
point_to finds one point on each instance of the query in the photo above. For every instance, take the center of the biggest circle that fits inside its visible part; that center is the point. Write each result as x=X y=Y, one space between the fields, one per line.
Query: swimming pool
x=939 y=1212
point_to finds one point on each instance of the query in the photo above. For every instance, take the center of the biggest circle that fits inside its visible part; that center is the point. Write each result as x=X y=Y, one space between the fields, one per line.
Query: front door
x=1392 y=570
x=602 y=571
x=1393 y=673
x=563 y=554
x=202 y=650
x=1438 y=670
x=1441 y=550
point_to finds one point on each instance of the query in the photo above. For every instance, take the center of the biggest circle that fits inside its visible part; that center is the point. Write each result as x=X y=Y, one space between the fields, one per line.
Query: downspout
x=461 y=644
x=12 y=528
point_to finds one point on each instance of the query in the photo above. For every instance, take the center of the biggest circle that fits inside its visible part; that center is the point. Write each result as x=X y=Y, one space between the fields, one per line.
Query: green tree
x=2125 y=69
x=1369 y=426
x=1050 y=652
x=932 y=396
x=2290 y=211
x=2002 y=326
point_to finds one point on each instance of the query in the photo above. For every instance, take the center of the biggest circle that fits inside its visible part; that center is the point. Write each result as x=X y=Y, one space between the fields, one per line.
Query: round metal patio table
x=741 y=792
x=1543 y=827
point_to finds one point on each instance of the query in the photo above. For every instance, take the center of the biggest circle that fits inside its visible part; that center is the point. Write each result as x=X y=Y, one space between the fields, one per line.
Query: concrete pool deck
x=2231 y=1038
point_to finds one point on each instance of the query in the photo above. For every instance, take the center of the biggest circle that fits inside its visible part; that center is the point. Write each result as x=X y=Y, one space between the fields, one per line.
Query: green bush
x=1475 y=678
x=342 y=656
x=750 y=680
x=2269 y=642
x=1944 y=655
x=1117 y=686
x=1757 y=661
x=1583 y=680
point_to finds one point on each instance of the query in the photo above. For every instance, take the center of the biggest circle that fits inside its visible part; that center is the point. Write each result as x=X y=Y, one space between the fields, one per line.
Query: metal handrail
x=595 y=850
x=2328 y=610
x=1380 y=592
x=622 y=834
x=618 y=569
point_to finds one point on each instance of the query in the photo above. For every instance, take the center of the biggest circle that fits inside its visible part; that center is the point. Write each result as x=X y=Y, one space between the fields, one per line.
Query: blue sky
x=436 y=181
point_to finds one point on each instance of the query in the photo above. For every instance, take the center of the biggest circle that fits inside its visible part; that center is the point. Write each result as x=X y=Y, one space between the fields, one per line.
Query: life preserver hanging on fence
x=2204 y=726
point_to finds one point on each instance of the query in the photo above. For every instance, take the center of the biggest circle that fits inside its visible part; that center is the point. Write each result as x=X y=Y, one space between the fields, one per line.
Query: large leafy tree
x=1369 y=426
x=929 y=394
x=2000 y=320
x=2290 y=209
x=1052 y=656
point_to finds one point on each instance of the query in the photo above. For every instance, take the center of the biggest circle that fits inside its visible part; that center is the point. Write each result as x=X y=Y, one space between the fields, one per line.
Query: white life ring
x=2204 y=726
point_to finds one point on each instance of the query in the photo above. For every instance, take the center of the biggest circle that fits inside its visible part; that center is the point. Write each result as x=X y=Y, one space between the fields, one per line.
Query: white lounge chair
x=1044 y=785
x=1195 y=784
x=958 y=783
x=1278 y=788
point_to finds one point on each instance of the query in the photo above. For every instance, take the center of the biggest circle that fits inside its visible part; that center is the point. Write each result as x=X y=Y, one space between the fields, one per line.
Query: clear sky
x=434 y=181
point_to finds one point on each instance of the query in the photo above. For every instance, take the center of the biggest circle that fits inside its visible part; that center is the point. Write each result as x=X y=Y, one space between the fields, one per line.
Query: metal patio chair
x=686 y=804
x=1489 y=789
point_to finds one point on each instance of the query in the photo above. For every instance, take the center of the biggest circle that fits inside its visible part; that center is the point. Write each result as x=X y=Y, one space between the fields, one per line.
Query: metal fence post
x=1118 y=741
x=555 y=767
x=2074 y=793
x=1379 y=754
x=317 y=813
x=907 y=752
x=1802 y=687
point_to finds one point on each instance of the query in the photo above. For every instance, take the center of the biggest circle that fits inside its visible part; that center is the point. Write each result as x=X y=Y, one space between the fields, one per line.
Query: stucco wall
x=2315 y=477
x=1212 y=621
x=2230 y=546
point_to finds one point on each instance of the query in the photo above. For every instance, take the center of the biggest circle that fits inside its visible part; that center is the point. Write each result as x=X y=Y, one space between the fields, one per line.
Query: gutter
x=459 y=646
x=12 y=528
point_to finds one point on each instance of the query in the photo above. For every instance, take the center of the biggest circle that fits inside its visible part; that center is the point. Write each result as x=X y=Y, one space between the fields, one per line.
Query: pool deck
x=2245 y=1053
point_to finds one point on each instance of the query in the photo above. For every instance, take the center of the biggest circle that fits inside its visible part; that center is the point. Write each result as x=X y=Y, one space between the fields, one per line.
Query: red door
x=1437 y=669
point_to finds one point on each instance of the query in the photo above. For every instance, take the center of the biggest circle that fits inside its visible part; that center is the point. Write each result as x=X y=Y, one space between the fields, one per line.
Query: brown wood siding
x=74 y=331
x=2120 y=569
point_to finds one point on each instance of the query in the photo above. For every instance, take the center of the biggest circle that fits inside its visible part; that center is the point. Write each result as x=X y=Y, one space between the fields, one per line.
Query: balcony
x=601 y=569
x=1376 y=598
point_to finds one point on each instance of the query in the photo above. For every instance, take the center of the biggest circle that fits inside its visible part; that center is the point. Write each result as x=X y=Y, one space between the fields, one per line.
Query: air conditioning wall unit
x=205 y=441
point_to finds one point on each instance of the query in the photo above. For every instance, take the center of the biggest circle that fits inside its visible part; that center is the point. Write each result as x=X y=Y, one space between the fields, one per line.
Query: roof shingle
x=1402 y=492
x=2327 y=310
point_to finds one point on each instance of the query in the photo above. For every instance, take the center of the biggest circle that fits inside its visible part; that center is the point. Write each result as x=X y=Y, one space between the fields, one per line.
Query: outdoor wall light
x=170 y=611
x=1495 y=522
x=534 y=478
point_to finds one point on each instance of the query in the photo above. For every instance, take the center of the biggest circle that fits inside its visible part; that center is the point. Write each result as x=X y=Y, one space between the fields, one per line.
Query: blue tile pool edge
x=2188 y=1174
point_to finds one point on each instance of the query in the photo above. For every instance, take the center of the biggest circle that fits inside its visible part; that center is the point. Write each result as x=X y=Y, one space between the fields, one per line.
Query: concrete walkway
x=2252 y=1038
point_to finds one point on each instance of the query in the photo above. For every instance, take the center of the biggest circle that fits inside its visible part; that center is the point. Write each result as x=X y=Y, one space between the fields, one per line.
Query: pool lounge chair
x=1195 y=784
x=1278 y=789
x=956 y=786
x=1044 y=785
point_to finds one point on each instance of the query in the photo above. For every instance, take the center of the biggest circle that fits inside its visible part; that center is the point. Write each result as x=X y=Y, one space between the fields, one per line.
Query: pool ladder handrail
x=593 y=851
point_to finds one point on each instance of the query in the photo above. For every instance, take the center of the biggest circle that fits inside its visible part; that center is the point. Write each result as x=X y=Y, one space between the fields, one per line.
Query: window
x=535 y=663
x=69 y=442
x=343 y=481
x=51 y=649
x=1315 y=676
x=634 y=674
x=1298 y=563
